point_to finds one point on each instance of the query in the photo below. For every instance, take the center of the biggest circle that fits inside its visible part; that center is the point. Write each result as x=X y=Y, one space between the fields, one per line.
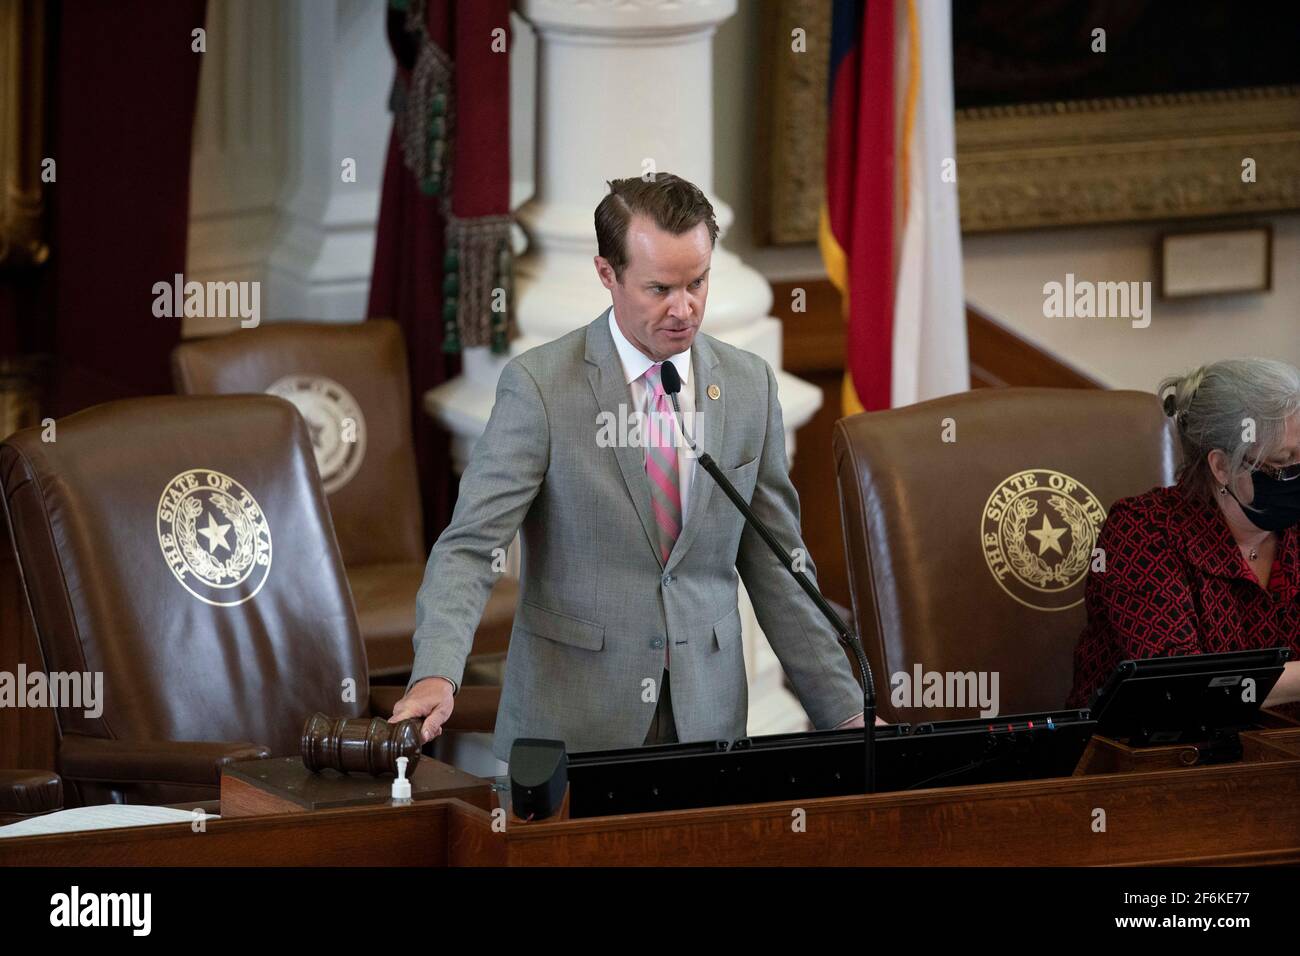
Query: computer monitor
x=1186 y=699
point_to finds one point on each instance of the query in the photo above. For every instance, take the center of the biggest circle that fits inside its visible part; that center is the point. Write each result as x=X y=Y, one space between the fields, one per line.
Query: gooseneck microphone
x=672 y=383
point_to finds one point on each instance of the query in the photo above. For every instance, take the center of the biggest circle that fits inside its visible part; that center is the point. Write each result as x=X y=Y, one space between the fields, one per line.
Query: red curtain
x=406 y=283
x=122 y=112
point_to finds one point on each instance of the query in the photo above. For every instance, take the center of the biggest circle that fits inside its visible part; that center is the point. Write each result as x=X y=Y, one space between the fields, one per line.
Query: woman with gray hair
x=1212 y=563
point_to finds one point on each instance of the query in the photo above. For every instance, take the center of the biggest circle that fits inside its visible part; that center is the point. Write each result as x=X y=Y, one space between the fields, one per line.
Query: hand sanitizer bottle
x=401 y=794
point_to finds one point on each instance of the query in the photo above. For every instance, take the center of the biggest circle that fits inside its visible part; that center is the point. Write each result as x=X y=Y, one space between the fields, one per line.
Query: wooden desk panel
x=374 y=836
x=1246 y=813
x=283 y=785
x=1193 y=815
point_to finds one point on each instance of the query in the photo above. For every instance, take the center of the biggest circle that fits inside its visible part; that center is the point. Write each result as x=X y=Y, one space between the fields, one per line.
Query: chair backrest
x=969 y=527
x=182 y=548
x=350 y=383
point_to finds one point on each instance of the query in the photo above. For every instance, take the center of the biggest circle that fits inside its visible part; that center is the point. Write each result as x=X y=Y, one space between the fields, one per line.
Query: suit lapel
x=605 y=372
x=710 y=418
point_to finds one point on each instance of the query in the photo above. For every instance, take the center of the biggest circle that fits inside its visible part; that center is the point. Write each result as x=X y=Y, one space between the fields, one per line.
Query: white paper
x=105 y=817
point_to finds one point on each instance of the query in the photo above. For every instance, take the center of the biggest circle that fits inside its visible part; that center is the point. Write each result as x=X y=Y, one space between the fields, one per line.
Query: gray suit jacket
x=597 y=603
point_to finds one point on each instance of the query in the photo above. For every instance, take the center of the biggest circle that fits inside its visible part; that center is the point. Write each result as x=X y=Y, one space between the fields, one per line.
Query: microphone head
x=672 y=381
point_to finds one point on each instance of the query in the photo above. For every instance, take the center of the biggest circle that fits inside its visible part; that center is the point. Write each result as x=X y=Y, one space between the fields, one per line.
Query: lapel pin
x=714 y=392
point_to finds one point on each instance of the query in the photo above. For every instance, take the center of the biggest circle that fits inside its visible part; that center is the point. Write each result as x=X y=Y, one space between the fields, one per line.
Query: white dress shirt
x=635 y=363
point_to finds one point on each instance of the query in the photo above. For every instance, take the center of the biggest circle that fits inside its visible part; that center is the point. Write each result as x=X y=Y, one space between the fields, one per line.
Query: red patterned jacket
x=1176 y=583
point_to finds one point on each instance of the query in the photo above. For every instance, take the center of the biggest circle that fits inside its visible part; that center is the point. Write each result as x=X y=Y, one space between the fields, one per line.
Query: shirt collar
x=635 y=362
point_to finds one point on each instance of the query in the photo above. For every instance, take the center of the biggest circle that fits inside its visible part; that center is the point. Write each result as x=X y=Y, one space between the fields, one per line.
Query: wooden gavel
x=359 y=744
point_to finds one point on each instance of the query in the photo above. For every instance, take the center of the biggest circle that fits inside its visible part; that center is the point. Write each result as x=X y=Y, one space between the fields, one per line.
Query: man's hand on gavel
x=431 y=699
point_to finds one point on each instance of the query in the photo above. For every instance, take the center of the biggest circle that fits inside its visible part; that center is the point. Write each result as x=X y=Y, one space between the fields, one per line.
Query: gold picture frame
x=1037 y=165
x=1129 y=159
x=22 y=121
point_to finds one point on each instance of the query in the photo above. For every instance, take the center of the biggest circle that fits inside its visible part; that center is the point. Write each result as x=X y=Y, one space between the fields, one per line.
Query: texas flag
x=889 y=232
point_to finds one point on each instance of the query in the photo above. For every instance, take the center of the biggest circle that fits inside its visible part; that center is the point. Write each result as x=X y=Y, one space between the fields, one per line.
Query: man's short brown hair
x=675 y=205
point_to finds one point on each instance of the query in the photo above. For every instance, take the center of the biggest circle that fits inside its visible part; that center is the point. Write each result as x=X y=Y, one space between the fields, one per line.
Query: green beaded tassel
x=450 y=302
x=501 y=319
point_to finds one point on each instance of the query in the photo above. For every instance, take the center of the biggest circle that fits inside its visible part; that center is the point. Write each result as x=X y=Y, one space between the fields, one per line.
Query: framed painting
x=1172 y=111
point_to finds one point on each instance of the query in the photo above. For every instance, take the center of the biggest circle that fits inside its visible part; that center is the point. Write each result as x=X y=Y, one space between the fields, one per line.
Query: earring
x=1223 y=489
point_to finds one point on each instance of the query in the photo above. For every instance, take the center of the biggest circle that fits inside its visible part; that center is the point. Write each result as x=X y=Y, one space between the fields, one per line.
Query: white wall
x=1005 y=276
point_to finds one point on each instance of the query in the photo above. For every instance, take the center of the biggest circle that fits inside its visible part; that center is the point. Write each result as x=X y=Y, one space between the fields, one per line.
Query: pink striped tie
x=661 y=464
x=661 y=469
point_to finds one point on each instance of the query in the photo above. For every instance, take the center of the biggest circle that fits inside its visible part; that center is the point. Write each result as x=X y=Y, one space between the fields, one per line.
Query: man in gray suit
x=628 y=630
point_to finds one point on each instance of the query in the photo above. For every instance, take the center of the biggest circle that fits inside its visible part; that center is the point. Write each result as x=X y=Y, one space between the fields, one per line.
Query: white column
x=618 y=85
x=287 y=92
x=237 y=162
x=340 y=73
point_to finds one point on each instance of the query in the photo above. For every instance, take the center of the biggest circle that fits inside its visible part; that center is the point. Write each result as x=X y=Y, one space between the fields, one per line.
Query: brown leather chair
x=182 y=548
x=970 y=555
x=28 y=793
x=335 y=372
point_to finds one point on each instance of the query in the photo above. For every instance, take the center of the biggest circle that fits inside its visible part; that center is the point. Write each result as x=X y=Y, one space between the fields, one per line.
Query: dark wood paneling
x=999 y=356
x=814 y=338
x=813 y=474
x=813 y=349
